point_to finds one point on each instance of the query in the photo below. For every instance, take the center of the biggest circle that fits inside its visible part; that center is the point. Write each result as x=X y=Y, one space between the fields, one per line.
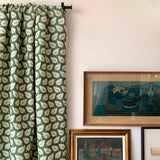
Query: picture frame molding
x=142 y=123
x=97 y=132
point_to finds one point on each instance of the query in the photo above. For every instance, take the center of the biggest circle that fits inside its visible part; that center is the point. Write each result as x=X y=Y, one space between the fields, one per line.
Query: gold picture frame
x=100 y=143
x=121 y=98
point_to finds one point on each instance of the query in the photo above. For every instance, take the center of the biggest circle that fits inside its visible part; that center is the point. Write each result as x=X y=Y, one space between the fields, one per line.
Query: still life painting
x=126 y=98
x=121 y=98
x=99 y=144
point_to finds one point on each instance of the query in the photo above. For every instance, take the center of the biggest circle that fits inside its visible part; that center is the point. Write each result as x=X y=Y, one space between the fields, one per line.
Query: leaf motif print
x=50 y=67
x=63 y=139
x=60 y=96
x=52 y=45
x=26 y=155
x=41 y=26
x=58 y=155
x=62 y=110
x=48 y=127
x=55 y=36
x=46 y=135
x=29 y=87
x=40 y=128
x=60 y=44
x=51 y=104
x=58 y=103
x=54 y=148
x=57 y=89
x=43 y=89
x=63 y=125
x=28 y=32
x=5 y=153
x=51 y=82
x=57 y=13
x=53 y=20
x=41 y=143
x=55 y=125
x=60 y=132
x=47 y=112
x=55 y=74
x=2 y=31
x=26 y=140
x=5 y=138
x=59 y=28
x=27 y=132
x=14 y=38
x=62 y=36
x=29 y=109
x=3 y=39
x=57 y=67
x=59 y=82
x=1 y=131
x=61 y=21
x=49 y=142
x=51 y=29
x=47 y=150
x=4 y=23
x=60 y=118
x=16 y=22
x=51 y=156
x=20 y=133
x=52 y=119
x=29 y=47
x=38 y=97
x=32 y=84
x=40 y=113
x=23 y=102
x=30 y=24
x=5 y=109
x=45 y=119
x=21 y=149
x=18 y=157
x=18 y=142
x=44 y=105
x=13 y=149
x=2 y=15
x=62 y=146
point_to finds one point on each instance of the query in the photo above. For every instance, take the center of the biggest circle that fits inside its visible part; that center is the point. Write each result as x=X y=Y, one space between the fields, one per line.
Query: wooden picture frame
x=121 y=98
x=150 y=143
x=99 y=144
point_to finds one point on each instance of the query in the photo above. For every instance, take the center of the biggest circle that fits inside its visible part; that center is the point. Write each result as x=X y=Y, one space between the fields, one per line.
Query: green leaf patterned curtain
x=32 y=82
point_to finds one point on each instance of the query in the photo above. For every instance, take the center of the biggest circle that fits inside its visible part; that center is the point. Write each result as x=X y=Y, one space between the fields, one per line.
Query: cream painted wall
x=108 y=35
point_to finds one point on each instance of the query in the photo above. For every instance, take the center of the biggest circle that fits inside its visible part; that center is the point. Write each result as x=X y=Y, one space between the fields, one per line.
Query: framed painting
x=150 y=143
x=100 y=144
x=121 y=98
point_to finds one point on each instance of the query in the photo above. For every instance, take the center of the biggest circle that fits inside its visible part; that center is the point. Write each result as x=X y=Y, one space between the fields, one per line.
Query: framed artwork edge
x=118 y=124
x=154 y=123
x=97 y=132
x=142 y=139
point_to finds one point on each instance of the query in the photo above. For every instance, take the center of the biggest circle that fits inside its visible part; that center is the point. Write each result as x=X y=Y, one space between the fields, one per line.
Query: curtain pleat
x=32 y=82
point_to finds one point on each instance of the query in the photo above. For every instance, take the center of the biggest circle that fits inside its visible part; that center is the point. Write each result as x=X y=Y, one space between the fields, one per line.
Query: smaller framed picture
x=100 y=144
x=150 y=143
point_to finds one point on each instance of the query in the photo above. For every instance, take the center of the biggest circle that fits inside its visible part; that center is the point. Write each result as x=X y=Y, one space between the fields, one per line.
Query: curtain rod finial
x=65 y=7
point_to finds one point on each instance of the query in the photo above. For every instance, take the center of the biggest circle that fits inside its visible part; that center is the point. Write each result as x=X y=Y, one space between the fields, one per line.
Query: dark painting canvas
x=99 y=148
x=128 y=98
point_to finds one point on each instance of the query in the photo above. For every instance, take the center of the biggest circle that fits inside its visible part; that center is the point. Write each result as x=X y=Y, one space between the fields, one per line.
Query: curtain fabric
x=32 y=82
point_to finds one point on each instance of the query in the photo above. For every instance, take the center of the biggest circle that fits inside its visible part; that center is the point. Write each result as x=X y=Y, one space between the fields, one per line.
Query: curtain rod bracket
x=65 y=7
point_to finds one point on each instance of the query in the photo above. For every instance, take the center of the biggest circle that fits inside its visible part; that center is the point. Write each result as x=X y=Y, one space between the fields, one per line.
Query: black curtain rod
x=65 y=7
